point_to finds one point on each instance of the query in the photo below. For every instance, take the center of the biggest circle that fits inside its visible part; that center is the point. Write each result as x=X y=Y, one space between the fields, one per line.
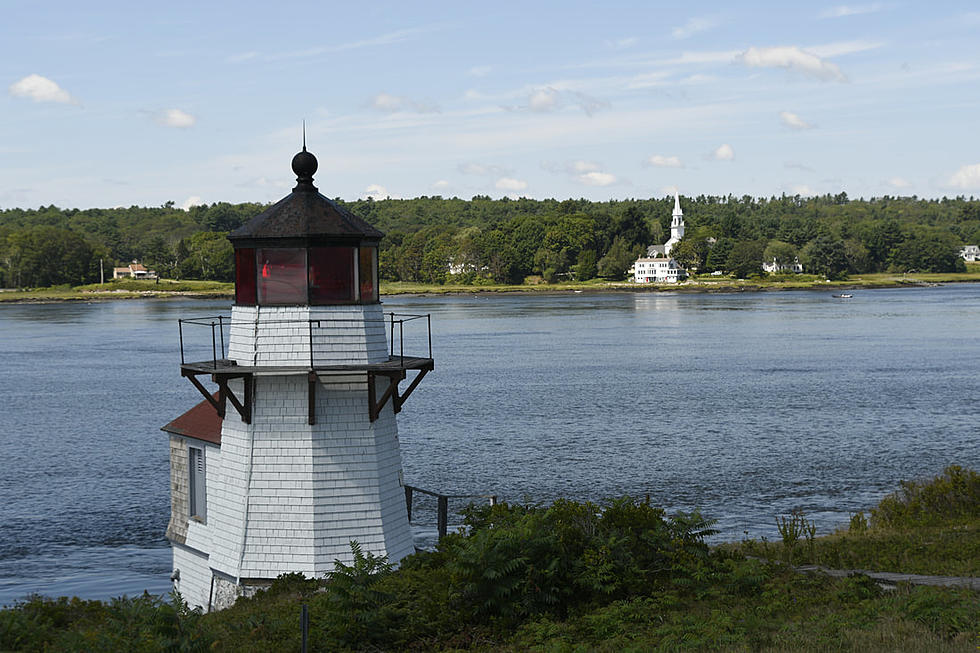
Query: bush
x=954 y=494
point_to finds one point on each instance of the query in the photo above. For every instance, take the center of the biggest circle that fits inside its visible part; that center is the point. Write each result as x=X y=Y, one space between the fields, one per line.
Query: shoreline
x=421 y=290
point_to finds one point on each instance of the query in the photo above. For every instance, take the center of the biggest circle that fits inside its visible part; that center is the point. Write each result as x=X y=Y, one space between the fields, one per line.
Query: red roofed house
x=134 y=270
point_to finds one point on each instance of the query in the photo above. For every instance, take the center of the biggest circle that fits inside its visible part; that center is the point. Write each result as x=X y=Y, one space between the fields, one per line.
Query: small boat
x=843 y=295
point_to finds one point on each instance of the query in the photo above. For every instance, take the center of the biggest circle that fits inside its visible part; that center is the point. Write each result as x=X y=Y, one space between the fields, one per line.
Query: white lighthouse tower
x=296 y=455
x=676 y=226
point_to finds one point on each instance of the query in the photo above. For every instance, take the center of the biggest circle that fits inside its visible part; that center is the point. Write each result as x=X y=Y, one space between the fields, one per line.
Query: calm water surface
x=745 y=405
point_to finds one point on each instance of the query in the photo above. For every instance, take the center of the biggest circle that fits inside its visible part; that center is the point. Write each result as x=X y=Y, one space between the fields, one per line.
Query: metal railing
x=217 y=322
x=442 y=504
x=394 y=323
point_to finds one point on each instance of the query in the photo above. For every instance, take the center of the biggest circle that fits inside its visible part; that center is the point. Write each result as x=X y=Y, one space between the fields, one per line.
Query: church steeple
x=676 y=225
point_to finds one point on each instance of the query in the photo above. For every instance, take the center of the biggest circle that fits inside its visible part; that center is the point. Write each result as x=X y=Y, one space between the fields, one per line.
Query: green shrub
x=954 y=494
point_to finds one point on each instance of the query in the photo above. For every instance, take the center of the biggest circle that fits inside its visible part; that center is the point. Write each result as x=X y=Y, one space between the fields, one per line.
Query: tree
x=691 y=253
x=618 y=259
x=210 y=256
x=745 y=258
x=633 y=227
x=718 y=255
x=47 y=256
x=782 y=254
x=826 y=256
x=926 y=253
x=857 y=256
x=586 y=268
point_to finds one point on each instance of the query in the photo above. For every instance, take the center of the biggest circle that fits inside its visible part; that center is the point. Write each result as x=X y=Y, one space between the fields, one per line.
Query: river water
x=746 y=406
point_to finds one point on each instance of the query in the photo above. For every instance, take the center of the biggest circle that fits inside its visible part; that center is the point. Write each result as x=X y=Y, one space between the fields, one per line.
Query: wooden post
x=304 y=626
x=443 y=515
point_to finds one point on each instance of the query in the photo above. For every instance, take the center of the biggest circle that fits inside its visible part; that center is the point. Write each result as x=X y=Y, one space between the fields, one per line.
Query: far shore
x=167 y=289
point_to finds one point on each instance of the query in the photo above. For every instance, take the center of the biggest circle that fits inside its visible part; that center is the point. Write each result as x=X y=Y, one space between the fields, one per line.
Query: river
x=746 y=406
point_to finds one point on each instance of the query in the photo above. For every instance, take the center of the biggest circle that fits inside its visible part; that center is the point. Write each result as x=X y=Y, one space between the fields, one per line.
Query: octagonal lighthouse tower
x=296 y=455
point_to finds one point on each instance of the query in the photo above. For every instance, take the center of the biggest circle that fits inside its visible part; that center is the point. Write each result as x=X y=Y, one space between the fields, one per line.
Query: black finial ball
x=304 y=164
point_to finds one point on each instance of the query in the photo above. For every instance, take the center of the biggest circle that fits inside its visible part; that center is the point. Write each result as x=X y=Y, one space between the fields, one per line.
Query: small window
x=282 y=276
x=245 y=277
x=198 y=488
x=368 y=274
x=331 y=276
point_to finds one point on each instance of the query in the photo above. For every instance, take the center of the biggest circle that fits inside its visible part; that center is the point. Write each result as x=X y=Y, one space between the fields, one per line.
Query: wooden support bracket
x=375 y=404
x=243 y=405
x=311 y=397
x=399 y=400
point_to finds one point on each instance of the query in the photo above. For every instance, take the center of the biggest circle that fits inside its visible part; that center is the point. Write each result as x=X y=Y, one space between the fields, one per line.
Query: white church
x=658 y=266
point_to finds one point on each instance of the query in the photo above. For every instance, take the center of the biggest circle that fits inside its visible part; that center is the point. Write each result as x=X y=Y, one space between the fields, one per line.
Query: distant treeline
x=437 y=240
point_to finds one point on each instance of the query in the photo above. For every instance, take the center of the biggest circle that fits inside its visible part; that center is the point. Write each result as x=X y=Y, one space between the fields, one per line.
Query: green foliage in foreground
x=926 y=527
x=572 y=576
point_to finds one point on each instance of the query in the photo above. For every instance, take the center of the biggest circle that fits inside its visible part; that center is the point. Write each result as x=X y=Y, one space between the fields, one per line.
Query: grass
x=574 y=577
x=927 y=527
x=121 y=289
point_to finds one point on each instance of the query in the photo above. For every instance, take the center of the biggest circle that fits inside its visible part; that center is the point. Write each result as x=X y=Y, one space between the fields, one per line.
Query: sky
x=109 y=104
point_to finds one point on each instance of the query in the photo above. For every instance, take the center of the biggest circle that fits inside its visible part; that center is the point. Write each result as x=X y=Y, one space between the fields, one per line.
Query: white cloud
x=596 y=178
x=377 y=192
x=548 y=99
x=193 y=200
x=791 y=58
x=388 y=103
x=692 y=27
x=509 y=183
x=793 y=121
x=898 y=182
x=851 y=10
x=481 y=169
x=580 y=167
x=590 y=105
x=967 y=177
x=239 y=58
x=661 y=161
x=441 y=184
x=795 y=165
x=175 y=118
x=623 y=43
x=479 y=71
x=841 y=48
x=41 y=89
x=801 y=189
x=724 y=152
x=543 y=99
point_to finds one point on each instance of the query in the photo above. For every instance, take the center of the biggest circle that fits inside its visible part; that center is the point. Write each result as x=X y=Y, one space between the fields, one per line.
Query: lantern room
x=305 y=250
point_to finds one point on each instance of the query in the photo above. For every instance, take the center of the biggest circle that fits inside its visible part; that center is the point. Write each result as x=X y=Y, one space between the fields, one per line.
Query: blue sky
x=116 y=104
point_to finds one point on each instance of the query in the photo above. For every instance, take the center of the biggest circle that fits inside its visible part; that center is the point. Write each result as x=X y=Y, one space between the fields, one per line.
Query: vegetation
x=927 y=527
x=437 y=241
x=621 y=575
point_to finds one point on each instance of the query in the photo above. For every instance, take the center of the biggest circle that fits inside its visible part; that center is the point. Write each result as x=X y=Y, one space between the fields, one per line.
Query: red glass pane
x=331 y=275
x=245 y=277
x=282 y=276
x=368 y=273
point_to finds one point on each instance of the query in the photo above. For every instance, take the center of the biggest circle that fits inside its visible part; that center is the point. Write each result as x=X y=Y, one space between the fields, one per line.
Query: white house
x=134 y=270
x=658 y=266
x=296 y=455
x=970 y=253
x=772 y=267
x=660 y=269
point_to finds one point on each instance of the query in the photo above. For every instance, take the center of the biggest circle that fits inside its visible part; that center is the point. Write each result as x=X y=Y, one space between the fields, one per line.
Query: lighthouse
x=295 y=455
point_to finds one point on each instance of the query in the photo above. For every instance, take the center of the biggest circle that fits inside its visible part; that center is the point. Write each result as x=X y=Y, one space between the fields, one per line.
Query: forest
x=436 y=240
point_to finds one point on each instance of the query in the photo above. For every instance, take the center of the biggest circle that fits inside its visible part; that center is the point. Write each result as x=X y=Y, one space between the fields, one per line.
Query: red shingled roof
x=201 y=423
